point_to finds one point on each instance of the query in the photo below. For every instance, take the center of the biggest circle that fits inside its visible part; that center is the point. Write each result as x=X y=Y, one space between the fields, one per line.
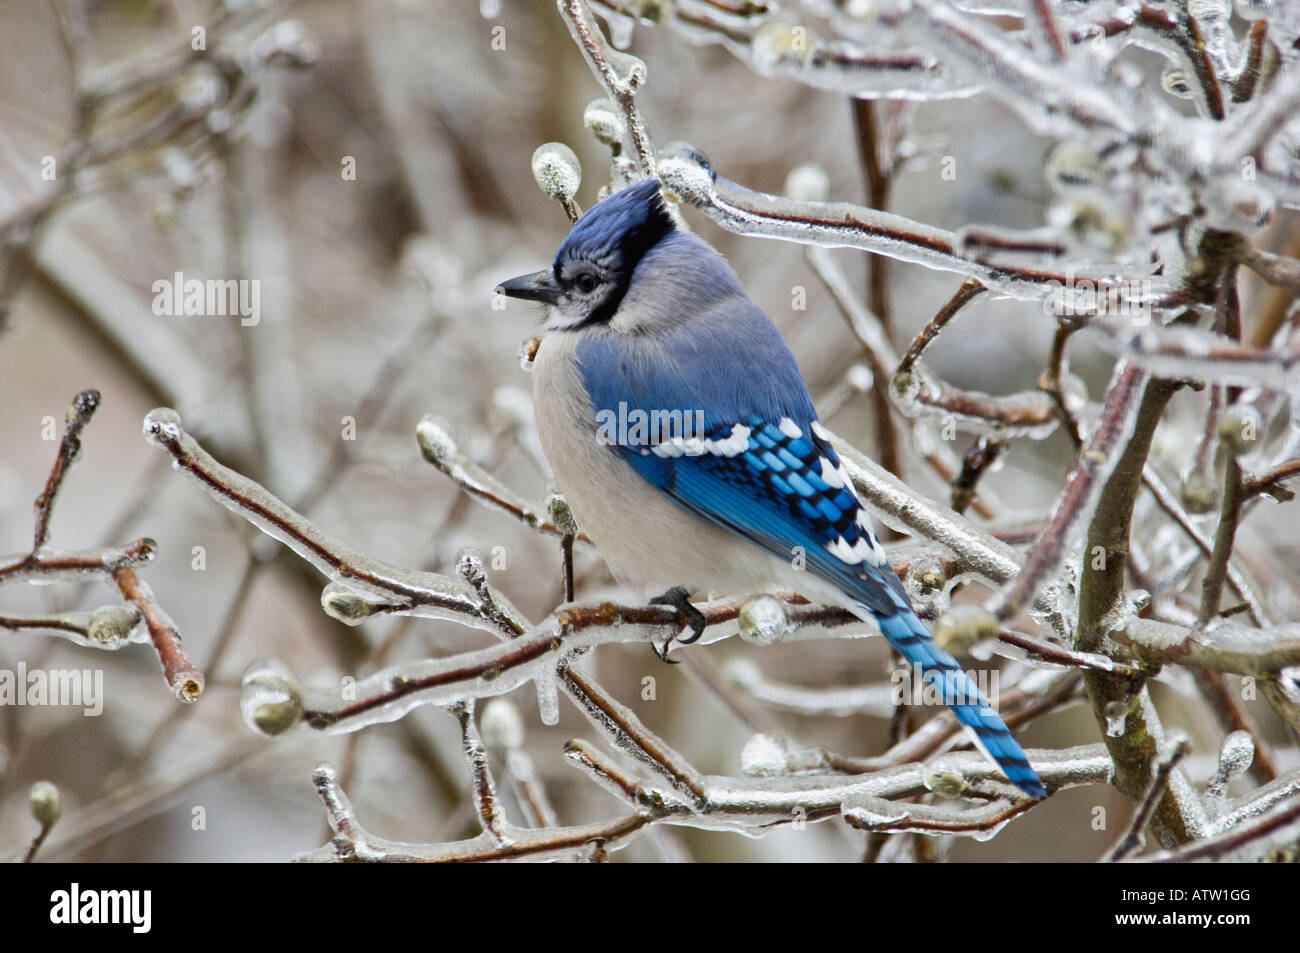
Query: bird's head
x=595 y=263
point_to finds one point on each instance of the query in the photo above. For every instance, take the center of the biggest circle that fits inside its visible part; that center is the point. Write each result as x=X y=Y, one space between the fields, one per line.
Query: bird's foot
x=688 y=617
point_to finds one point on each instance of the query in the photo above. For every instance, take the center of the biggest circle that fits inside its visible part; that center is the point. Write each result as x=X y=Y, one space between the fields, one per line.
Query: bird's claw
x=688 y=617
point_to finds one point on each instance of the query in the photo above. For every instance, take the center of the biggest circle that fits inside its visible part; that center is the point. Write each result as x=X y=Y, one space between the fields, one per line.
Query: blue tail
x=913 y=640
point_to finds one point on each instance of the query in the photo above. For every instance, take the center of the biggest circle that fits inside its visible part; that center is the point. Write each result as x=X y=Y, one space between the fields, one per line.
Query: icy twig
x=1044 y=32
x=440 y=448
x=539 y=653
x=1229 y=517
x=430 y=594
x=978 y=460
x=485 y=796
x=877 y=700
x=1166 y=500
x=73 y=565
x=1131 y=839
x=1122 y=705
x=1219 y=647
x=502 y=729
x=1052 y=380
x=353 y=844
x=1077 y=503
x=1278 y=270
x=1278 y=827
x=185 y=680
x=1181 y=30
x=759 y=803
x=1049 y=652
x=1020 y=80
x=867 y=327
x=1015 y=707
x=621 y=724
x=82 y=409
x=688 y=174
x=110 y=627
x=1189 y=354
x=621 y=75
x=1270 y=483
x=969 y=290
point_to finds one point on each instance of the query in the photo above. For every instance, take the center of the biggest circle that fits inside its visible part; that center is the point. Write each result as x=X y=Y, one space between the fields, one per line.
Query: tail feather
x=913 y=640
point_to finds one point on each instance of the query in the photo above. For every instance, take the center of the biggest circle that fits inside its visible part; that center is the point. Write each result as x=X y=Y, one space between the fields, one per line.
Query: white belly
x=648 y=541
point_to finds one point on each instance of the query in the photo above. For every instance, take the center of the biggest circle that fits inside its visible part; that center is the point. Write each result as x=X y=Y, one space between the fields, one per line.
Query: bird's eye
x=586 y=282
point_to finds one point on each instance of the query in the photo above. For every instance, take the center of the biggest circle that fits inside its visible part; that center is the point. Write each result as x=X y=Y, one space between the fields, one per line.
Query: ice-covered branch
x=1220 y=647
x=1190 y=354
x=439 y=447
x=354 y=844
x=539 y=654
x=688 y=174
x=427 y=594
x=1131 y=839
x=1092 y=467
x=621 y=75
x=1253 y=840
x=185 y=680
x=109 y=627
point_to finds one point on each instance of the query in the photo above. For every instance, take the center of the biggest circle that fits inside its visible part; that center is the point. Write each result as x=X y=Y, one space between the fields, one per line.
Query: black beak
x=539 y=286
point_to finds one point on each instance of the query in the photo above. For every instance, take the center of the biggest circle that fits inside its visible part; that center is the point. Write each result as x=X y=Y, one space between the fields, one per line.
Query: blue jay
x=718 y=473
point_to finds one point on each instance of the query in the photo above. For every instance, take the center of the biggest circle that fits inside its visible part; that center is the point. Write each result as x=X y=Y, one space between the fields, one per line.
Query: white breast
x=647 y=540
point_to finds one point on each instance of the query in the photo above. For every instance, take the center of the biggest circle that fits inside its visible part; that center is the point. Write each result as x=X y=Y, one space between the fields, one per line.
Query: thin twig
x=1132 y=836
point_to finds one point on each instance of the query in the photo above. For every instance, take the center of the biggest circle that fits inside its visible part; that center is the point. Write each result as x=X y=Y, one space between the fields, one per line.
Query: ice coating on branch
x=1236 y=754
x=764 y=756
x=1045 y=97
x=743 y=675
x=270 y=700
x=1183 y=352
x=621 y=75
x=1117 y=718
x=114 y=626
x=689 y=175
x=927 y=574
x=1212 y=18
x=763 y=621
x=605 y=123
x=944 y=780
x=348 y=607
x=419 y=593
x=556 y=170
x=436 y=440
x=469 y=566
x=687 y=172
x=962 y=626
x=1254 y=9
x=548 y=696
x=918 y=392
x=162 y=425
x=789 y=50
x=622 y=26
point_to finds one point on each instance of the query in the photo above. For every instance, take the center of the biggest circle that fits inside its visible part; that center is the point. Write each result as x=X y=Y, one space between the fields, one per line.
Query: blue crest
x=618 y=231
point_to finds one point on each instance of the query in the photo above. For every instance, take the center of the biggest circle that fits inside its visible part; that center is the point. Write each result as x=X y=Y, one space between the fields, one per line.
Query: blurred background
x=369 y=163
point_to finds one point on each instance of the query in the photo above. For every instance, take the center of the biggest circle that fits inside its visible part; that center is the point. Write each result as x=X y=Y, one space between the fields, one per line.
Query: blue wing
x=761 y=467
